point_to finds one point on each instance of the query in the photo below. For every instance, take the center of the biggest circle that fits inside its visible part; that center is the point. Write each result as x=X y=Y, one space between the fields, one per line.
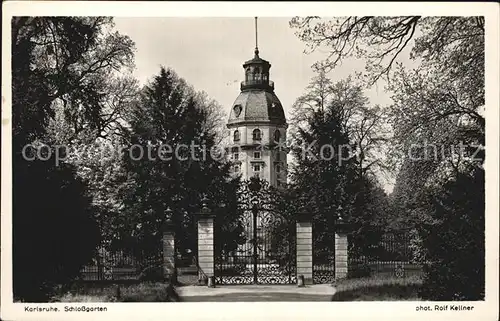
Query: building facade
x=257 y=126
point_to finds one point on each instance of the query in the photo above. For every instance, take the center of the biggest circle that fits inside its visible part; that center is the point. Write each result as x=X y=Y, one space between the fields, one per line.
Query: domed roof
x=257 y=106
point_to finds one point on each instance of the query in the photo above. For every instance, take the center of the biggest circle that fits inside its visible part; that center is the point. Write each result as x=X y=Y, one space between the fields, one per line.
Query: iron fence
x=122 y=266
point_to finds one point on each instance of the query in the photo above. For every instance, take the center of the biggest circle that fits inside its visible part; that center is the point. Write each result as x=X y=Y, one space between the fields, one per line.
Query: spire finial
x=256 y=43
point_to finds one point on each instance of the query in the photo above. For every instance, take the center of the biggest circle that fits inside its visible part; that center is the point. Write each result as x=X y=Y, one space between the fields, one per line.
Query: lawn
x=381 y=288
x=156 y=292
x=143 y=292
x=259 y=297
x=378 y=288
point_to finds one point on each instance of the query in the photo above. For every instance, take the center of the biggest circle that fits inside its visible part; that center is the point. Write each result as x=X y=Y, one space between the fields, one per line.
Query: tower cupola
x=257 y=71
x=257 y=119
x=257 y=74
x=257 y=100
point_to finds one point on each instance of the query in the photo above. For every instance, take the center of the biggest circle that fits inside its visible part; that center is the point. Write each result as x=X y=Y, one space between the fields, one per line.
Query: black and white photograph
x=324 y=156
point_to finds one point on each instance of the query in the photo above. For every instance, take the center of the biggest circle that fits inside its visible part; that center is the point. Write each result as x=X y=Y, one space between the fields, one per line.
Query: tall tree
x=328 y=173
x=438 y=105
x=174 y=161
x=454 y=239
x=62 y=60
x=449 y=82
x=438 y=126
x=437 y=112
x=365 y=124
x=95 y=152
x=67 y=59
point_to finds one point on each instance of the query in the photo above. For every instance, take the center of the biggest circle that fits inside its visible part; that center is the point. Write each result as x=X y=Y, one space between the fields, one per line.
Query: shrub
x=54 y=232
x=455 y=241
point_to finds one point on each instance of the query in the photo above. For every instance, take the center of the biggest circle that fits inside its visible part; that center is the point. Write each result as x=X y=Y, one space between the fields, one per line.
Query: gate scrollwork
x=267 y=255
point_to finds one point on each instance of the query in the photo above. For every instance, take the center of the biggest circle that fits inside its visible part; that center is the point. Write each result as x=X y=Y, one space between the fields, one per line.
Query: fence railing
x=122 y=266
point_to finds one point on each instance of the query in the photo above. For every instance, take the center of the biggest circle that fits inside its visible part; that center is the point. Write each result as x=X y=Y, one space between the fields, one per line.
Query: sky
x=209 y=52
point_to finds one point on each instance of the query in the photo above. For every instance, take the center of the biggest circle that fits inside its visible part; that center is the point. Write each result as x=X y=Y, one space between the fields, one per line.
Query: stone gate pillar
x=168 y=247
x=341 y=246
x=206 y=245
x=304 y=248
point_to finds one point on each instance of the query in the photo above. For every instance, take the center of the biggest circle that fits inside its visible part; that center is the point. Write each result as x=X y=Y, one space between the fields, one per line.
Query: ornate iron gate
x=266 y=254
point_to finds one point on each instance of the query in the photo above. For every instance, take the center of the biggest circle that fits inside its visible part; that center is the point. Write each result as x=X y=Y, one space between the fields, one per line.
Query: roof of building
x=256 y=60
x=257 y=105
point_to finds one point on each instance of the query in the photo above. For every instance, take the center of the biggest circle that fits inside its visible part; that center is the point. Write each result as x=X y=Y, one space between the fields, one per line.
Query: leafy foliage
x=331 y=176
x=68 y=59
x=54 y=232
x=379 y=40
x=438 y=129
x=366 y=125
x=455 y=240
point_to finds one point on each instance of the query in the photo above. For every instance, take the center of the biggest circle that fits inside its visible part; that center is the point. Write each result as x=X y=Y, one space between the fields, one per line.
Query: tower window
x=236 y=169
x=237 y=110
x=256 y=155
x=257 y=134
x=236 y=136
x=278 y=168
x=236 y=156
x=248 y=74
x=278 y=156
x=277 y=136
x=256 y=168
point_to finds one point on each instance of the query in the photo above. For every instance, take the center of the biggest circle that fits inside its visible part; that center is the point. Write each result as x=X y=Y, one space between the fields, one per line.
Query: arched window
x=236 y=136
x=256 y=73
x=256 y=134
x=277 y=136
x=248 y=74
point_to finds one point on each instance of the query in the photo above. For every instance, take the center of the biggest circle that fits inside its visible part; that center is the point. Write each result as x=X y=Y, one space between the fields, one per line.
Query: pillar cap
x=168 y=226
x=201 y=215
x=303 y=217
x=205 y=211
x=342 y=226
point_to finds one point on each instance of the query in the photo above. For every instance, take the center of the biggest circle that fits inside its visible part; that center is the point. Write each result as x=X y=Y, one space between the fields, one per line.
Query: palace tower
x=257 y=125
